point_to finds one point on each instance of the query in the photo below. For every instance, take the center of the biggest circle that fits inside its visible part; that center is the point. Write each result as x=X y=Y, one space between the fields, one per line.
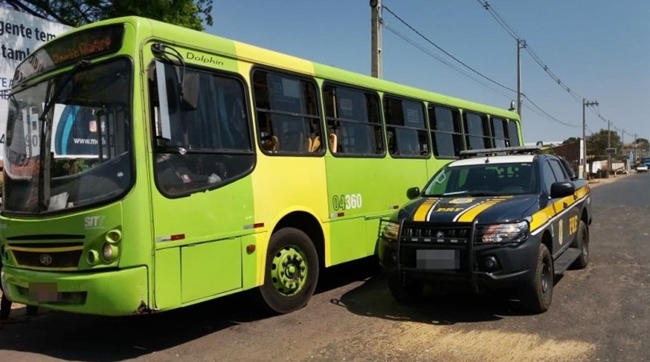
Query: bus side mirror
x=163 y=124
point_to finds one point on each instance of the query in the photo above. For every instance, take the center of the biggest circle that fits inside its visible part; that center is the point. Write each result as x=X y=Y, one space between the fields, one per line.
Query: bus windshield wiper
x=46 y=134
x=57 y=92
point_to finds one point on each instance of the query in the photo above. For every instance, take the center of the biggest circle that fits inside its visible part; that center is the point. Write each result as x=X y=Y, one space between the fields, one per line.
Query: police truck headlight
x=506 y=233
x=390 y=231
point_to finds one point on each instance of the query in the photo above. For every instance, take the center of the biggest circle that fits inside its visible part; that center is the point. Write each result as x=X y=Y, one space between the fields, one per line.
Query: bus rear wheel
x=291 y=271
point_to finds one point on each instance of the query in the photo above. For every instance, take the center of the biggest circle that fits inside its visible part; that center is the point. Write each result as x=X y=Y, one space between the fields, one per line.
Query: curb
x=602 y=181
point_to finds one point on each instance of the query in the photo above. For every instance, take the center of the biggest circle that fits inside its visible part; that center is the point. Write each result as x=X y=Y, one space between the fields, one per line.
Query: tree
x=642 y=144
x=570 y=140
x=597 y=143
x=188 y=13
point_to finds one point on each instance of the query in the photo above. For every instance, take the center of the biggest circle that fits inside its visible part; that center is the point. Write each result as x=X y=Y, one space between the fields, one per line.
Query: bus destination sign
x=69 y=49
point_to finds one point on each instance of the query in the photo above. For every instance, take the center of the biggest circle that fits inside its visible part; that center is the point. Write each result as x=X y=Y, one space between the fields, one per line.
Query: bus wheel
x=537 y=295
x=291 y=271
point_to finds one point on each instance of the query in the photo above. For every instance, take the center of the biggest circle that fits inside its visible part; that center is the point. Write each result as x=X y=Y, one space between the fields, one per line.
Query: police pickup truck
x=495 y=218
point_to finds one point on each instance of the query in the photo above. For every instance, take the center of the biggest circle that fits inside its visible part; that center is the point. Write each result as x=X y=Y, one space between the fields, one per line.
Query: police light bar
x=502 y=151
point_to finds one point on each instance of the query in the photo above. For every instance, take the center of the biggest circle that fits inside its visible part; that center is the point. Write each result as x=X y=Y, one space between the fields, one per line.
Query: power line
x=450 y=65
x=444 y=51
x=529 y=49
x=577 y=97
x=499 y=20
x=538 y=110
x=548 y=115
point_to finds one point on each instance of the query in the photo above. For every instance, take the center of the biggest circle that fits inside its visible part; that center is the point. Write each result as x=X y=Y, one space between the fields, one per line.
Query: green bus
x=150 y=167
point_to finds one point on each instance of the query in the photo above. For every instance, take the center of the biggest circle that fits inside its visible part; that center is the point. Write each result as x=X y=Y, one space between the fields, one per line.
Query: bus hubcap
x=289 y=271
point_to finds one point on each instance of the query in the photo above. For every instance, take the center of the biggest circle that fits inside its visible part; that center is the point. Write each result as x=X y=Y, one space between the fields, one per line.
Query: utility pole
x=634 y=152
x=609 y=145
x=622 y=138
x=521 y=44
x=375 y=39
x=623 y=150
x=585 y=104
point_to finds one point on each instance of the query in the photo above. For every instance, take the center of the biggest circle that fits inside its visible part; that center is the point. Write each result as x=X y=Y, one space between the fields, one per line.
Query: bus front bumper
x=111 y=293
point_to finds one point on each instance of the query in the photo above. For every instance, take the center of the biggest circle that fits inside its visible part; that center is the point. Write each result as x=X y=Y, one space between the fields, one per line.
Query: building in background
x=20 y=35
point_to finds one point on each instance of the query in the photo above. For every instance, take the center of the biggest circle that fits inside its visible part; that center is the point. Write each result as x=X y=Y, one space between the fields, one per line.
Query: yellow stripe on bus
x=423 y=210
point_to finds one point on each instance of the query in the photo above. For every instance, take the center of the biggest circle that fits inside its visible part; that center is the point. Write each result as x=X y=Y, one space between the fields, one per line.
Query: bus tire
x=537 y=294
x=291 y=271
x=582 y=243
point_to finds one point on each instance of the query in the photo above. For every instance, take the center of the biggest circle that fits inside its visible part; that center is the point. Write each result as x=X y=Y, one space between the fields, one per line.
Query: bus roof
x=259 y=55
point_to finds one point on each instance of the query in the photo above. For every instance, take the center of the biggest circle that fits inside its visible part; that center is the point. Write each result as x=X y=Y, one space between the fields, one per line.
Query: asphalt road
x=598 y=314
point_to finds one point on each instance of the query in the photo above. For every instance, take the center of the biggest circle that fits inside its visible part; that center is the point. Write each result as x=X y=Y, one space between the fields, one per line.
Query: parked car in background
x=641 y=168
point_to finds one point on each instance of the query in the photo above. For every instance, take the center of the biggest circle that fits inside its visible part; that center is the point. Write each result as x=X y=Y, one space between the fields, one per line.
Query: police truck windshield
x=484 y=180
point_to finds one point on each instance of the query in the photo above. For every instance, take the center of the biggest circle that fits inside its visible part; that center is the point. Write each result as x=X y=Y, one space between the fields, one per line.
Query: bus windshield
x=68 y=139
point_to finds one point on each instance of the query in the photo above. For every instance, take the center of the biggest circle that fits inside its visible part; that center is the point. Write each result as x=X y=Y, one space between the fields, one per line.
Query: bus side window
x=354 y=114
x=210 y=143
x=406 y=125
x=287 y=114
x=446 y=131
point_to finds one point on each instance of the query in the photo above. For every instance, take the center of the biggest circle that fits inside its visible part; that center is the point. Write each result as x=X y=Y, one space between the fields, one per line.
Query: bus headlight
x=109 y=252
x=92 y=257
x=5 y=287
x=506 y=233
x=113 y=236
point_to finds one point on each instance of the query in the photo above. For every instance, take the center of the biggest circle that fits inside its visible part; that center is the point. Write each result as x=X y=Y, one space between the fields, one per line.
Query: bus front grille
x=47 y=256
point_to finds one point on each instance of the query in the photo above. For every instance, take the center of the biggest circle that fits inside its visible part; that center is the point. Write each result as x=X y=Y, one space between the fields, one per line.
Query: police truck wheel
x=582 y=243
x=291 y=271
x=404 y=291
x=537 y=295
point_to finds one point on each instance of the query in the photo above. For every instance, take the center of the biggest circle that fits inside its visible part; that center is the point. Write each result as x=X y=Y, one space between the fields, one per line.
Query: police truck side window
x=558 y=170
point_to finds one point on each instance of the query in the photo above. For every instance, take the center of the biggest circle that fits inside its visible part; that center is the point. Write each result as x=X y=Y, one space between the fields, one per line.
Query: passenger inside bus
x=294 y=141
x=333 y=142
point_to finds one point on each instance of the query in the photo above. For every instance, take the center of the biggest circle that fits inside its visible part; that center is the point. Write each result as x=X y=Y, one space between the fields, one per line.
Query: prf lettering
x=450 y=209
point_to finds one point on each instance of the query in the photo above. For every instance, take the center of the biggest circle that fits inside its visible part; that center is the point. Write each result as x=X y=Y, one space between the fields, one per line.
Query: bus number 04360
x=347 y=202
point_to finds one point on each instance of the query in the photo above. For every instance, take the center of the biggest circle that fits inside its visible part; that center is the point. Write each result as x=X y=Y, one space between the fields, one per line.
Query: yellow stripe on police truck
x=422 y=211
x=471 y=213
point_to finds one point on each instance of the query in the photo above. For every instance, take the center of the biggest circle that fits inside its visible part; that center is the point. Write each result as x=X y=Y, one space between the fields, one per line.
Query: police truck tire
x=582 y=243
x=537 y=294
x=404 y=291
x=291 y=271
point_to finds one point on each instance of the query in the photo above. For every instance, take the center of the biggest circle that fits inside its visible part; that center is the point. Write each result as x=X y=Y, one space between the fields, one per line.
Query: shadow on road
x=91 y=338
x=441 y=308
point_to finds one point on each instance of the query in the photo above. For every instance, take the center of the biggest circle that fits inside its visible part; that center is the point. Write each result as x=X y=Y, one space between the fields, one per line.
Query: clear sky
x=598 y=49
